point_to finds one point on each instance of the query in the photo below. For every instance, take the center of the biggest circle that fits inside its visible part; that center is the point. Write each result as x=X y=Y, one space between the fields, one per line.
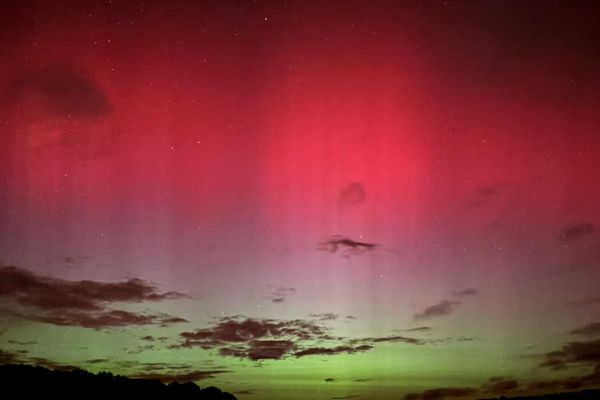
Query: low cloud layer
x=192 y=376
x=592 y=329
x=346 y=246
x=268 y=339
x=574 y=354
x=81 y=303
x=442 y=393
x=280 y=294
x=444 y=307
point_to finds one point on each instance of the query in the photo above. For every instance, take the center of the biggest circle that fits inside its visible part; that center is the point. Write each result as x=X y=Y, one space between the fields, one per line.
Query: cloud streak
x=280 y=294
x=348 y=247
x=442 y=393
x=592 y=329
x=81 y=303
x=268 y=339
x=577 y=231
x=444 y=307
x=574 y=353
x=63 y=91
x=192 y=376
x=466 y=292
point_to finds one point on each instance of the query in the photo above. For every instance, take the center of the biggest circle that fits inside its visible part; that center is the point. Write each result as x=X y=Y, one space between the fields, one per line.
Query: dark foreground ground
x=582 y=395
x=22 y=381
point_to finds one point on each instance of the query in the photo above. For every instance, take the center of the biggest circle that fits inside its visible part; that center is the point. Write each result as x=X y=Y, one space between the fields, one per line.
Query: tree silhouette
x=27 y=380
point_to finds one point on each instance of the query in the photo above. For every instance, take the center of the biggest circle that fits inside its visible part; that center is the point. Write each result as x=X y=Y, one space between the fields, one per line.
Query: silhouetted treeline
x=27 y=380
x=583 y=395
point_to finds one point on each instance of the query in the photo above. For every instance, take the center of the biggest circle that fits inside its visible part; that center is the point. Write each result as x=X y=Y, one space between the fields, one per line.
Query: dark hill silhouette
x=582 y=395
x=27 y=380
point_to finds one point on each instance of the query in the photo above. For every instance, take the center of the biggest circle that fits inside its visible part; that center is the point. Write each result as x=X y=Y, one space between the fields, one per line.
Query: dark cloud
x=96 y=361
x=391 y=339
x=232 y=330
x=329 y=379
x=246 y=392
x=269 y=349
x=350 y=396
x=255 y=339
x=500 y=385
x=452 y=339
x=44 y=362
x=574 y=353
x=81 y=303
x=444 y=307
x=570 y=383
x=349 y=247
x=268 y=339
x=465 y=292
x=62 y=91
x=73 y=260
x=576 y=231
x=325 y=316
x=592 y=329
x=588 y=301
x=316 y=351
x=546 y=386
x=192 y=376
x=353 y=194
x=442 y=393
x=22 y=343
x=280 y=294
x=485 y=194
x=48 y=293
x=169 y=320
x=419 y=329
x=103 y=319
x=362 y=380
x=350 y=317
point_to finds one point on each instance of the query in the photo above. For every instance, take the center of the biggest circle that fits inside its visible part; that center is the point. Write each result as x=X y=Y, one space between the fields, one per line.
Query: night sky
x=304 y=199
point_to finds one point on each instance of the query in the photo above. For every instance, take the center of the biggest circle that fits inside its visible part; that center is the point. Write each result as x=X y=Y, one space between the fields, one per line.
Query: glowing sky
x=290 y=199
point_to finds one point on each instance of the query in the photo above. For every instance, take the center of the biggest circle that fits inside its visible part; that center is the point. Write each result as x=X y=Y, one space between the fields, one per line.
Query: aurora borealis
x=303 y=199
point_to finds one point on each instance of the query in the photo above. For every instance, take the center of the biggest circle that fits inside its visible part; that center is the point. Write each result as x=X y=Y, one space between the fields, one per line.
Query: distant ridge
x=21 y=381
x=582 y=395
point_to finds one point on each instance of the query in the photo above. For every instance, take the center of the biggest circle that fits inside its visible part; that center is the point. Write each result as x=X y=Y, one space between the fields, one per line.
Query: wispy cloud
x=419 y=329
x=587 y=301
x=500 y=385
x=268 y=339
x=573 y=354
x=577 y=231
x=592 y=329
x=444 y=307
x=65 y=91
x=442 y=393
x=348 y=247
x=466 y=292
x=325 y=316
x=192 y=376
x=280 y=294
x=352 y=194
x=312 y=351
x=81 y=303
